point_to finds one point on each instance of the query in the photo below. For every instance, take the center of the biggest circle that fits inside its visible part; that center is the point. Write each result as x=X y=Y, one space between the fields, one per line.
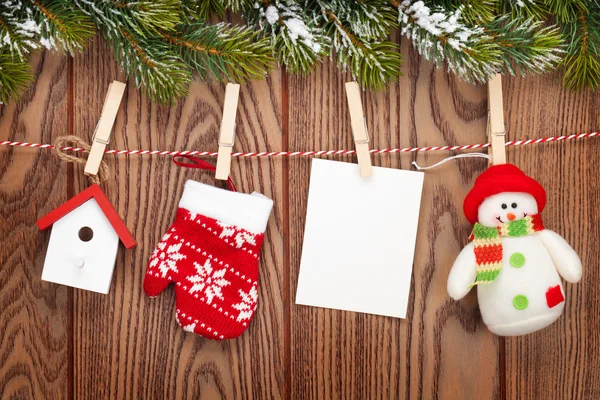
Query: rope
x=60 y=146
x=80 y=148
x=445 y=160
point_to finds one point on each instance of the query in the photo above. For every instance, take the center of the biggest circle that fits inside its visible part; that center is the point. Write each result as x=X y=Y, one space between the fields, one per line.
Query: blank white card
x=359 y=238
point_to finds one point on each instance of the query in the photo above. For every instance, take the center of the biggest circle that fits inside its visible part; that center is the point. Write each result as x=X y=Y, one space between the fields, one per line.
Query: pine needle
x=15 y=77
x=222 y=52
x=581 y=65
x=162 y=44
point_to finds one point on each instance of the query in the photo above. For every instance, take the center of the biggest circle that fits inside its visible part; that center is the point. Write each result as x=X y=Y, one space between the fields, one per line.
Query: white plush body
x=547 y=257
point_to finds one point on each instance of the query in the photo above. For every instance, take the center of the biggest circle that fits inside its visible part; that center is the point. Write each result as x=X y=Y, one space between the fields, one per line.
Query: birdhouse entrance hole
x=86 y=234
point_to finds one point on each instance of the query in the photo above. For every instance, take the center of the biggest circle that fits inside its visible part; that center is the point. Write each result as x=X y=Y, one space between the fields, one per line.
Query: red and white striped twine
x=308 y=153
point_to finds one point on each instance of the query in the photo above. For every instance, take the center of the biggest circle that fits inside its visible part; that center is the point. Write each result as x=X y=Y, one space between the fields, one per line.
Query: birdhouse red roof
x=96 y=192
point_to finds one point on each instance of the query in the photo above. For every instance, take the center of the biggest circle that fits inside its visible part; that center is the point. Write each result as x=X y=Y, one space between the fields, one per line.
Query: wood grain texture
x=448 y=349
x=34 y=315
x=353 y=355
x=336 y=354
x=130 y=346
x=65 y=343
x=562 y=361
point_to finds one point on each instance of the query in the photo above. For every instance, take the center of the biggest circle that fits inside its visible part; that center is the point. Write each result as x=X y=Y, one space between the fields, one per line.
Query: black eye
x=514 y=205
x=504 y=206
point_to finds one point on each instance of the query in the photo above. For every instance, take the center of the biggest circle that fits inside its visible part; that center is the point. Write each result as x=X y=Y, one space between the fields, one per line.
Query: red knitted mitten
x=211 y=253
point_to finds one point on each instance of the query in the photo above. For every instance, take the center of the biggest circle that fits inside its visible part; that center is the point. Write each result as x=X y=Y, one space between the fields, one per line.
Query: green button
x=517 y=260
x=520 y=302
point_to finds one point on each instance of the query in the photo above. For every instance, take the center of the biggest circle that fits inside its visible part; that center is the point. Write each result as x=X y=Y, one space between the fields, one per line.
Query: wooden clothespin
x=101 y=137
x=495 y=125
x=227 y=134
x=359 y=129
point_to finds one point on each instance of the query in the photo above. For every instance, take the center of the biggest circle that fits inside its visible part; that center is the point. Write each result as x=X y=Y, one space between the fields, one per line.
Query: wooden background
x=58 y=342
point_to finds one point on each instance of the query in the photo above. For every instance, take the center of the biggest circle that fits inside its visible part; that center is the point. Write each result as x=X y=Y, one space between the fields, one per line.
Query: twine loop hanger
x=64 y=141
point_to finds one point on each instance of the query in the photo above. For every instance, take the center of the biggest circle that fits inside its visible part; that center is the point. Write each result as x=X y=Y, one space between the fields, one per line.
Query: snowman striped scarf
x=488 y=244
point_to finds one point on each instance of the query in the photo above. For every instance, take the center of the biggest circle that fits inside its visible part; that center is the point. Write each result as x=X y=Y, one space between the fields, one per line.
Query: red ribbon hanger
x=201 y=164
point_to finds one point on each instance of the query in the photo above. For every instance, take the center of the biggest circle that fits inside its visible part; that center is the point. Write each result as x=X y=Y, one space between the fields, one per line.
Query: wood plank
x=560 y=362
x=442 y=346
x=447 y=350
x=331 y=351
x=35 y=332
x=130 y=346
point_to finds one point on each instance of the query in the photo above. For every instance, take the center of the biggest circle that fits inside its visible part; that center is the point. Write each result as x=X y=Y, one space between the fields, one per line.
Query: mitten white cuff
x=248 y=211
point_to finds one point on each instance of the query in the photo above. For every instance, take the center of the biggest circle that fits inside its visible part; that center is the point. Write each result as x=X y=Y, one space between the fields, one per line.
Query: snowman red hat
x=501 y=178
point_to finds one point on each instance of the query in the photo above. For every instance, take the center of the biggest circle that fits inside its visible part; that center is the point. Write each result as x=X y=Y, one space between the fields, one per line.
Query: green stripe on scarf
x=518 y=227
x=484 y=232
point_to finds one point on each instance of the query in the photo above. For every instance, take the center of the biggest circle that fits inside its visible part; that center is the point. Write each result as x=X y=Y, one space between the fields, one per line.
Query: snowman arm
x=463 y=273
x=565 y=259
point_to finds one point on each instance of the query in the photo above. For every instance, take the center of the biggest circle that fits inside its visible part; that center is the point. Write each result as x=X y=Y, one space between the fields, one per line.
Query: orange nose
x=511 y=216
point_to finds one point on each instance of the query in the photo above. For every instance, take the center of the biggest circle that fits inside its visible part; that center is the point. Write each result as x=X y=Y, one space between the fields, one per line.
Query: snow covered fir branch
x=164 y=44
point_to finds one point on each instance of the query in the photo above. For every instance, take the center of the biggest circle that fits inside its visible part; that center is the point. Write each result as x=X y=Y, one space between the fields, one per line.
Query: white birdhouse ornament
x=83 y=245
x=515 y=262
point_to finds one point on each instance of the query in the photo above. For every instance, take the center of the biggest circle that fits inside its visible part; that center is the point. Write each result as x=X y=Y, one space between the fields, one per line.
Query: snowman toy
x=512 y=259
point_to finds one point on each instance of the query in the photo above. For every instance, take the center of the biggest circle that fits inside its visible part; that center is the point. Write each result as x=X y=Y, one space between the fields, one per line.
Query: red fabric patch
x=554 y=296
x=536 y=220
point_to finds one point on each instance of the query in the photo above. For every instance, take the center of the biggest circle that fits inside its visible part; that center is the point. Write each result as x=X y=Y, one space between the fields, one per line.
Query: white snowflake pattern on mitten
x=208 y=281
x=166 y=260
x=244 y=237
x=161 y=245
x=247 y=305
x=188 y=328
x=241 y=237
x=228 y=230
